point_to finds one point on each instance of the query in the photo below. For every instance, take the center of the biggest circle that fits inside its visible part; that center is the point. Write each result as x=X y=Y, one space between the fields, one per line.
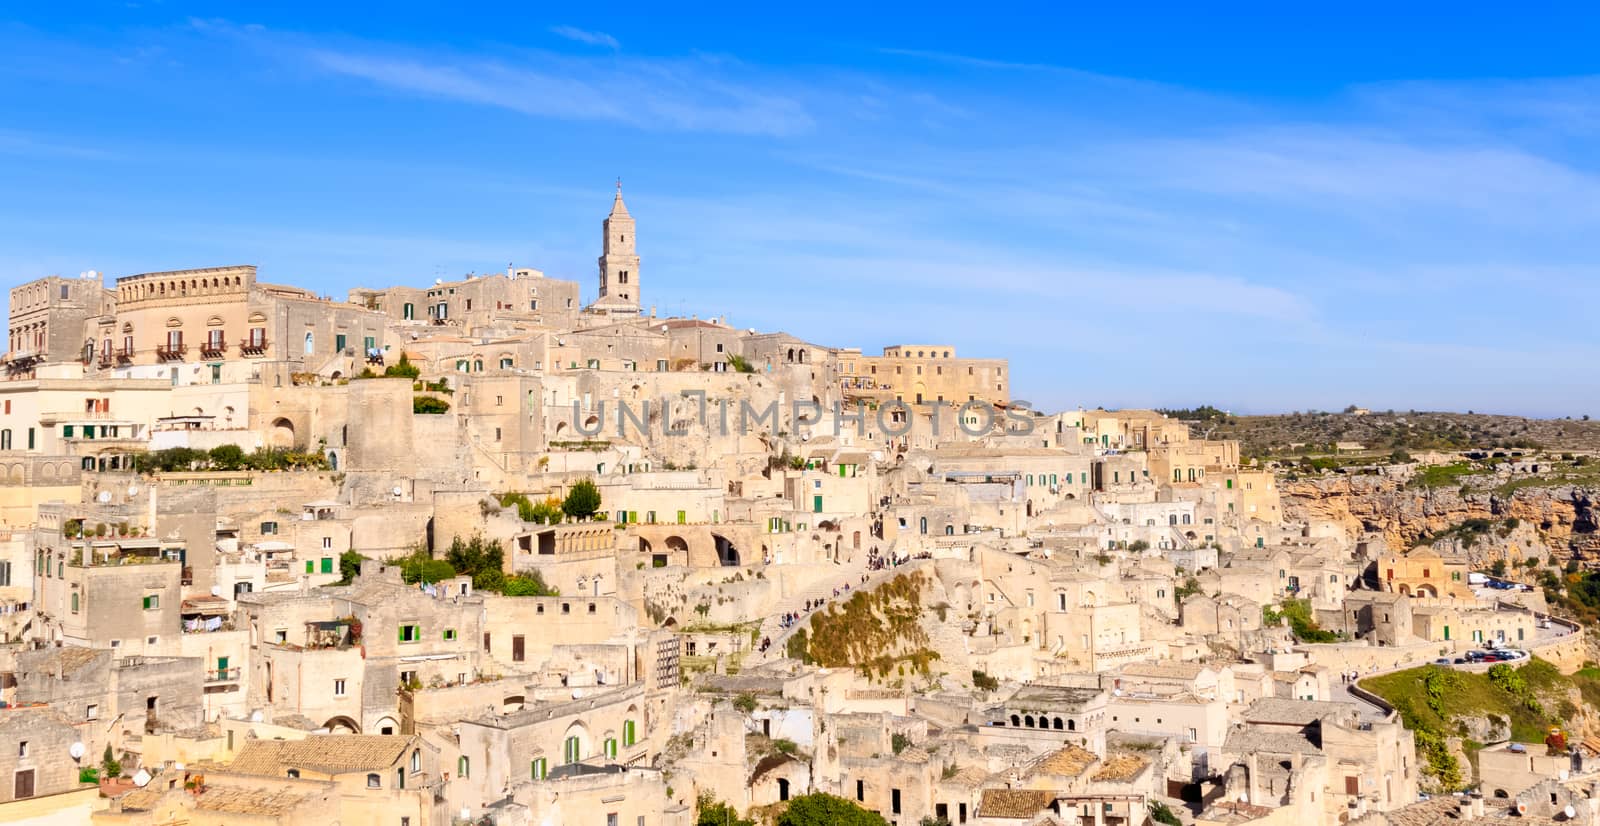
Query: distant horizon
x=1287 y=210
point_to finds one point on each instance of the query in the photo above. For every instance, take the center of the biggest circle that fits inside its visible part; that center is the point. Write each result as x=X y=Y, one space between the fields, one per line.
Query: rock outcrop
x=1558 y=520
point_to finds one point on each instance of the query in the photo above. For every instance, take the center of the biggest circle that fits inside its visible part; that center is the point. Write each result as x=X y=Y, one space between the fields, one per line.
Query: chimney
x=1464 y=809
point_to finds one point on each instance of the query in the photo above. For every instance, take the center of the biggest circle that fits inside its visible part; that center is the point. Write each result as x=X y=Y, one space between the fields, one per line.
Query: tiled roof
x=231 y=799
x=1448 y=810
x=1171 y=671
x=1279 y=711
x=329 y=753
x=1014 y=803
x=1068 y=761
x=1121 y=767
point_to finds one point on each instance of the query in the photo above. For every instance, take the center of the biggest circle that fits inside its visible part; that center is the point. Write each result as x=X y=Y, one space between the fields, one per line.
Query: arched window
x=1028 y=721
x=1072 y=725
x=310 y=346
x=463 y=766
x=1016 y=721
x=374 y=781
x=924 y=524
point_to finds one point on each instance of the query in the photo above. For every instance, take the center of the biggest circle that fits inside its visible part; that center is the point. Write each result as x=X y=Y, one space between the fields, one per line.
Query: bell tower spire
x=619 y=262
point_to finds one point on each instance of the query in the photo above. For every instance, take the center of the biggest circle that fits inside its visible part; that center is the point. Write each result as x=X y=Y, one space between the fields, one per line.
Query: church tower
x=619 y=264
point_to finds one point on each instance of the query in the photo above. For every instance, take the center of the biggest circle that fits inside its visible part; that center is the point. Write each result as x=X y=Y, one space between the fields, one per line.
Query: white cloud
x=662 y=95
x=581 y=36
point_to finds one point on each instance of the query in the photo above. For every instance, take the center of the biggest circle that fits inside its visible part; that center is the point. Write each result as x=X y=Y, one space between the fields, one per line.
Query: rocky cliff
x=1558 y=520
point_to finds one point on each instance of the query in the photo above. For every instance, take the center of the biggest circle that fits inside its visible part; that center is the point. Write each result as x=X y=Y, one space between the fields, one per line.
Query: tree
x=821 y=809
x=710 y=811
x=582 y=501
x=1161 y=814
x=420 y=566
x=480 y=558
x=531 y=584
x=402 y=369
x=109 y=762
x=1497 y=568
x=227 y=457
x=349 y=567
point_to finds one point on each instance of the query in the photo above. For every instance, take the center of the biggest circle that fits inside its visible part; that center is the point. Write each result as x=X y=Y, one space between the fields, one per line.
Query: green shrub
x=429 y=405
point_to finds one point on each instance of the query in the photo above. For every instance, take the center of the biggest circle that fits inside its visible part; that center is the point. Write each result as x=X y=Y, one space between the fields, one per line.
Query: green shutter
x=327 y=564
x=338 y=343
x=311 y=567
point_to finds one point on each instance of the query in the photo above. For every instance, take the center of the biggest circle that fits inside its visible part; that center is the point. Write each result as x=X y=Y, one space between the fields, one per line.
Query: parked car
x=1442 y=661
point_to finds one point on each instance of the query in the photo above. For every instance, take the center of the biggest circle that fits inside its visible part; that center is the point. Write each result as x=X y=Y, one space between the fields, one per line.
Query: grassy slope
x=1413 y=431
x=1477 y=697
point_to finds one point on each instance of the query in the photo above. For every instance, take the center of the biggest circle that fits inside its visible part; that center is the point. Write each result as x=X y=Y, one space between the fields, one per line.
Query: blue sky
x=1158 y=207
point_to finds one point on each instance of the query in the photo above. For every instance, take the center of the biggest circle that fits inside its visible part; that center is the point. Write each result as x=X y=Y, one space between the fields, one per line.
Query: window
x=410 y=632
x=327 y=543
x=611 y=747
x=539 y=768
x=463 y=765
x=416 y=760
x=152 y=602
x=449 y=634
x=374 y=781
x=74 y=602
x=338 y=688
x=517 y=652
x=629 y=733
x=91 y=712
x=269 y=528
x=22 y=749
x=293 y=772
x=573 y=750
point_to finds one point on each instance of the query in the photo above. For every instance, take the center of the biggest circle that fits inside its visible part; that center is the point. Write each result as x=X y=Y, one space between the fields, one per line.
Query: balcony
x=222 y=675
x=213 y=349
x=125 y=356
x=171 y=352
x=253 y=346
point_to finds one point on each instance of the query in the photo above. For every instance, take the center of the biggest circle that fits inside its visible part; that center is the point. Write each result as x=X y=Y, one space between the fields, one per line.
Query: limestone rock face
x=1559 y=520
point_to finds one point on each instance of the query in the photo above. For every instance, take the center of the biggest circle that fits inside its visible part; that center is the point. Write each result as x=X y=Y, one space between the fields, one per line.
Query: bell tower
x=619 y=264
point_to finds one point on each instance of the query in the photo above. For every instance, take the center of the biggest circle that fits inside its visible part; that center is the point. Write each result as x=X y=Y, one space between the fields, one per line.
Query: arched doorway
x=342 y=725
x=281 y=434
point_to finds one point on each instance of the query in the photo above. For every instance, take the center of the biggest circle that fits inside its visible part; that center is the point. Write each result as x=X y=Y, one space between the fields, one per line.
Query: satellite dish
x=141 y=778
x=133 y=490
x=398 y=491
x=255 y=716
x=76 y=750
x=104 y=497
x=216 y=590
x=1570 y=812
x=1522 y=808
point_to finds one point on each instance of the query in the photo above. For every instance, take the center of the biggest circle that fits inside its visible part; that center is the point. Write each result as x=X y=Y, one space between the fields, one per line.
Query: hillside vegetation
x=1454 y=712
x=1289 y=433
